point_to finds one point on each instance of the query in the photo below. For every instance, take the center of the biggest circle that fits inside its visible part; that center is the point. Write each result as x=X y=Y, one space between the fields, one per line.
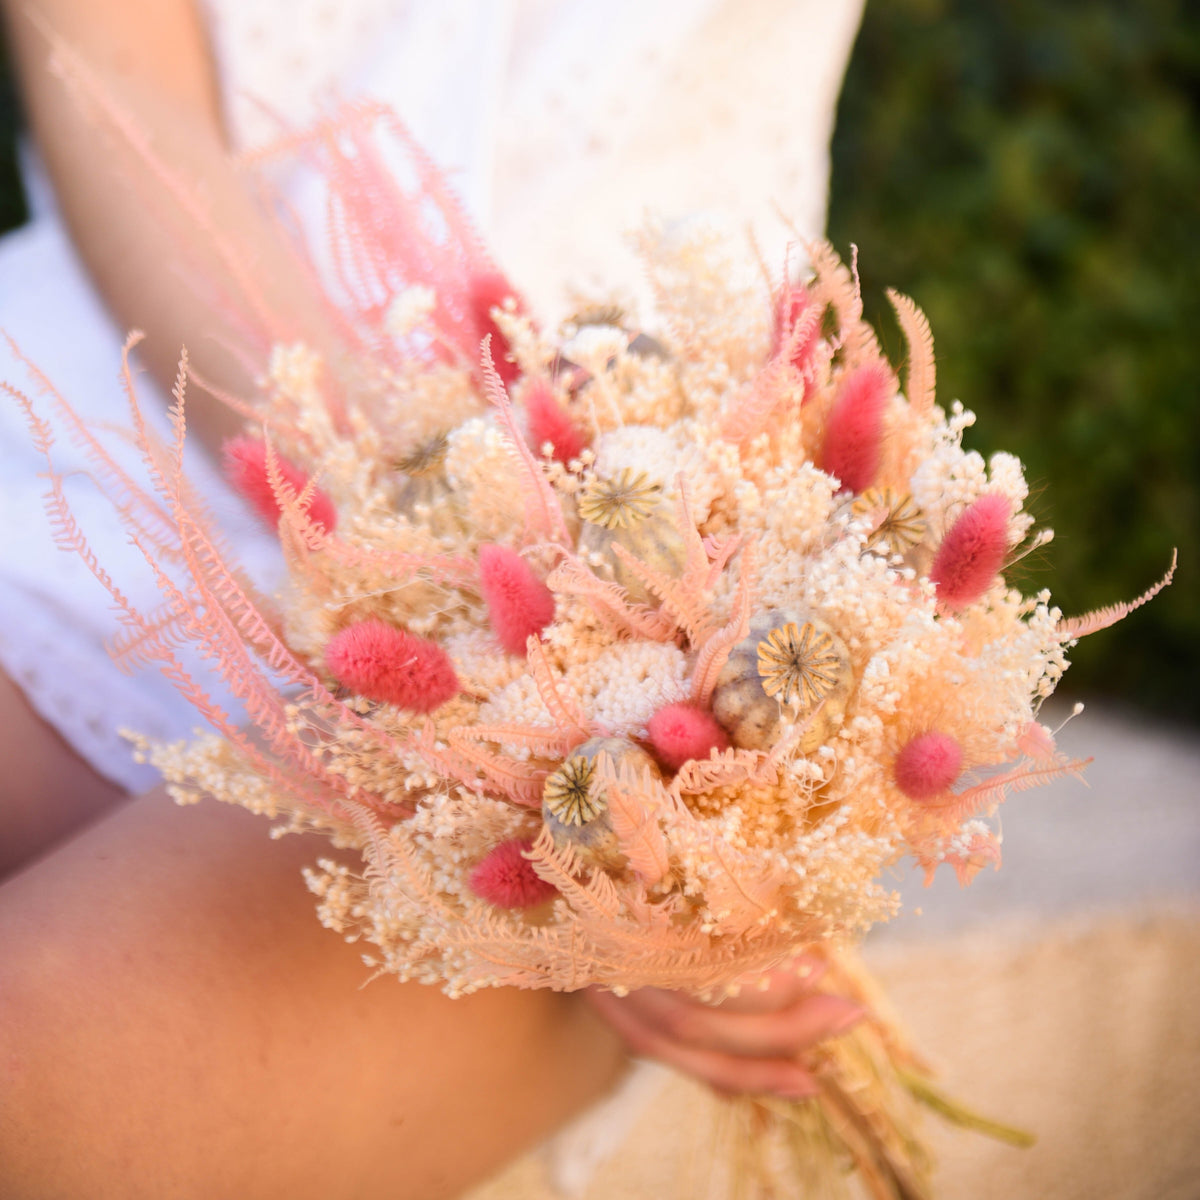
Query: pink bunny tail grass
x=506 y=878
x=393 y=666
x=488 y=290
x=681 y=732
x=520 y=605
x=245 y=466
x=972 y=553
x=547 y=421
x=853 y=447
x=927 y=765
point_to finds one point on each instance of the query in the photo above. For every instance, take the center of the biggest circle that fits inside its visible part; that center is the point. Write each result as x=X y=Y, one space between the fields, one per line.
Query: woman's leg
x=47 y=791
x=174 y=1023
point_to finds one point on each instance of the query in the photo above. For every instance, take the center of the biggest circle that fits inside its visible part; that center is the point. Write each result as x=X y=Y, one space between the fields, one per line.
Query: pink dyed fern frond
x=987 y=796
x=518 y=781
x=836 y=286
x=778 y=382
x=635 y=800
x=590 y=893
x=1078 y=627
x=921 y=385
x=543 y=513
x=680 y=599
x=541 y=739
x=724 y=769
x=564 y=711
x=715 y=651
x=609 y=601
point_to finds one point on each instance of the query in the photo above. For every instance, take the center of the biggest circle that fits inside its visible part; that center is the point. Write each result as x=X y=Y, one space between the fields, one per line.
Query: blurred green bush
x=12 y=198
x=1029 y=172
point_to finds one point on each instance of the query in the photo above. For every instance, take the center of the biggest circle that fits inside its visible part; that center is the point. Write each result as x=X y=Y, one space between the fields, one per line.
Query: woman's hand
x=750 y=1043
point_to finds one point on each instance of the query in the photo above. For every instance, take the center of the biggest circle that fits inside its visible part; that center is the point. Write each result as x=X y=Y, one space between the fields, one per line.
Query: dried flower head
x=426 y=458
x=568 y=793
x=621 y=501
x=798 y=665
x=901 y=525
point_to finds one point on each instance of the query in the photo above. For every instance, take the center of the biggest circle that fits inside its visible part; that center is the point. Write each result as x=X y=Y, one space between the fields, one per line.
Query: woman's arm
x=175 y=1022
x=150 y=57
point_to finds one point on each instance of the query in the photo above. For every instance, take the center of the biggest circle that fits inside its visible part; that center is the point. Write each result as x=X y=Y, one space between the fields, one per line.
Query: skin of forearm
x=150 y=60
x=175 y=1022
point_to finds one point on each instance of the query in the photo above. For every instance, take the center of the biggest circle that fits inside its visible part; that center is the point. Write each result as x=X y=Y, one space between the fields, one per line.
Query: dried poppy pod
x=627 y=509
x=424 y=494
x=899 y=525
x=789 y=663
x=573 y=803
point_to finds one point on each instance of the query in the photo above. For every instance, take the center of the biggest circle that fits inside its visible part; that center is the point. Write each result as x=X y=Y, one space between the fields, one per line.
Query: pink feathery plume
x=679 y=733
x=244 y=460
x=391 y=665
x=520 y=605
x=506 y=878
x=548 y=422
x=489 y=290
x=853 y=448
x=927 y=765
x=972 y=552
x=387 y=233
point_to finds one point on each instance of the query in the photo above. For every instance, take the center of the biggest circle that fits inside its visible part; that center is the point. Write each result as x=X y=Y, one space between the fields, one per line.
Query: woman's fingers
x=783 y=1033
x=725 y=1072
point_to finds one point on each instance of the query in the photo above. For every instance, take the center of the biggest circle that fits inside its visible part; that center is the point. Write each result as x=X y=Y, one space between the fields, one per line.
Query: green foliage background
x=1029 y=172
x=12 y=199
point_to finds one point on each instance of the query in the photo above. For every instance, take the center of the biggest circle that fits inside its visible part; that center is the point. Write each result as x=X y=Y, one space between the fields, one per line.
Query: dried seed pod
x=573 y=803
x=644 y=346
x=899 y=523
x=789 y=663
x=628 y=510
x=424 y=493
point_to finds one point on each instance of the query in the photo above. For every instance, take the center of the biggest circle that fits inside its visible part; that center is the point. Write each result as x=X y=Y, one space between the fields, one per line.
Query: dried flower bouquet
x=623 y=659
